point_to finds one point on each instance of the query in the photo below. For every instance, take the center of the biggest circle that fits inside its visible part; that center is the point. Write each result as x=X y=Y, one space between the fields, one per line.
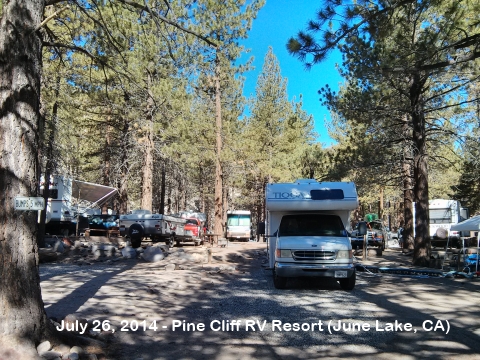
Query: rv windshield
x=312 y=225
x=238 y=220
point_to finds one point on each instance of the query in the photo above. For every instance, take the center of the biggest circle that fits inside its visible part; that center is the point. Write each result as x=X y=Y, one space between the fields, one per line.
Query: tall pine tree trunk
x=407 y=187
x=123 y=188
x=218 y=226
x=422 y=249
x=147 y=175
x=22 y=317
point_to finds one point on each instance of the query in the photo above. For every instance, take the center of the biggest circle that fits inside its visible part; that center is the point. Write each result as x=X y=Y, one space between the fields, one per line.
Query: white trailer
x=239 y=225
x=142 y=223
x=305 y=228
x=443 y=214
x=68 y=199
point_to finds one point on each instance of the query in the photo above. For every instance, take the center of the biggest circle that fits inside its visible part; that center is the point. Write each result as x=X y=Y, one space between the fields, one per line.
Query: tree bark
x=147 y=175
x=422 y=248
x=407 y=188
x=218 y=226
x=123 y=187
x=22 y=316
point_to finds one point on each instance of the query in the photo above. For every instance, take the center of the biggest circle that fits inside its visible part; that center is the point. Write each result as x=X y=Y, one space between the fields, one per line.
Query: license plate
x=341 y=274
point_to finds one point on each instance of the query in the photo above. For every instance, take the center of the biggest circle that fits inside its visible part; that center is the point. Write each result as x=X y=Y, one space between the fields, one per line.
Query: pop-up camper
x=305 y=228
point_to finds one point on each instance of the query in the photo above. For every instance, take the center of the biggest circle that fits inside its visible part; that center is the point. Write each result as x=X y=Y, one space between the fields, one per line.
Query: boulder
x=44 y=347
x=129 y=252
x=59 y=247
x=153 y=254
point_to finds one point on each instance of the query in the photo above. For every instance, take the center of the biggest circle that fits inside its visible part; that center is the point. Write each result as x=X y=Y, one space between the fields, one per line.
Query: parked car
x=377 y=235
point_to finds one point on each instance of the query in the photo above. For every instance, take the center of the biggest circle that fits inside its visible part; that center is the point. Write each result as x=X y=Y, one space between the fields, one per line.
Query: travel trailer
x=443 y=214
x=69 y=199
x=305 y=228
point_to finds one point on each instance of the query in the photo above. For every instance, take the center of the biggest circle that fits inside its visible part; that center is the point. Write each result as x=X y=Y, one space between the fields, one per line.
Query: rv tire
x=349 y=283
x=279 y=282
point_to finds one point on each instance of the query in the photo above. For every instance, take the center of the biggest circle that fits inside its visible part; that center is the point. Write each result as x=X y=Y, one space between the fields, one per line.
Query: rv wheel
x=135 y=232
x=349 y=283
x=279 y=282
x=170 y=242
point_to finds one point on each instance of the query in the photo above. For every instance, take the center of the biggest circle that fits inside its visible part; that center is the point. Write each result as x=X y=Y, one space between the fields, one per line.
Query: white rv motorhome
x=239 y=225
x=305 y=228
x=142 y=223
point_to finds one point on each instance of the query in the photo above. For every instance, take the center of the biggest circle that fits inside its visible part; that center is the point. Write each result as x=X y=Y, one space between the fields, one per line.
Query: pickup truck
x=158 y=227
x=194 y=226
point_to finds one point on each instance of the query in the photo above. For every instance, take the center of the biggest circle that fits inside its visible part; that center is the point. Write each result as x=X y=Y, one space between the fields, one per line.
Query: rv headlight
x=282 y=253
x=344 y=254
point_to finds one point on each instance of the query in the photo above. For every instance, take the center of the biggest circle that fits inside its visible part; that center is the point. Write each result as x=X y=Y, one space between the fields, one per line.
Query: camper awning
x=95 y=194
x=472 y=224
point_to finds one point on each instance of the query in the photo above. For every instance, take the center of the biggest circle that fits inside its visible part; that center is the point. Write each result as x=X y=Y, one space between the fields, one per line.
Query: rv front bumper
x=314 y=270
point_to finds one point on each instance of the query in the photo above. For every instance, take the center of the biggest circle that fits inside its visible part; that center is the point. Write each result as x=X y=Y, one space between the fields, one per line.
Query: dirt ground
x=138 y=303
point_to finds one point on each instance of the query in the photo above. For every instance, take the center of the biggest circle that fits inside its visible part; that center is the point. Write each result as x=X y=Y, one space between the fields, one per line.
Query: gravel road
x=229 y=309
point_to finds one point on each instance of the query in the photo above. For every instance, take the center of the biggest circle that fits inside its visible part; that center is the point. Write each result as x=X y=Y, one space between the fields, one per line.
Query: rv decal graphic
x=290 y=195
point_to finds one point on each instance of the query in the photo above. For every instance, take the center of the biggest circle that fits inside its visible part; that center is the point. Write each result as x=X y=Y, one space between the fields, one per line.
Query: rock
x=59 y=247
x=153 y=254
x=129 y=252
x=164 y=248
x=47 y=255
x=72 y=356
x=44 y=347
x=97 y=250
x=170 y=267
x=62 y=349
x=77 y=350
x=51 y=355
x=109 y=250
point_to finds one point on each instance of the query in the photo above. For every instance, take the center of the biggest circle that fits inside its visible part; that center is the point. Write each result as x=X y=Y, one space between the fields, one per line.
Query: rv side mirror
x=362 y=228
x=261 y=228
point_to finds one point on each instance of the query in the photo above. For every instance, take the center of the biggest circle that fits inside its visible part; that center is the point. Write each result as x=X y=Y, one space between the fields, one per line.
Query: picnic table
x=215 y=239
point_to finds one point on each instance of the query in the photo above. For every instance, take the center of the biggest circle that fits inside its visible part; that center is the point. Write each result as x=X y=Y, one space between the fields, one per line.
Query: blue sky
x=276 y=22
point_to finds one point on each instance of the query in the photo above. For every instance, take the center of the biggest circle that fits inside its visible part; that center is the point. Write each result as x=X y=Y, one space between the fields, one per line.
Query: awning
x=472 y=224
x=94 y=194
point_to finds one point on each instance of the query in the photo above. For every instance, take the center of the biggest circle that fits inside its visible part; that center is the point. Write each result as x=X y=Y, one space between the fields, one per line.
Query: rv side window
x=52 y=193
x=327 y=194
x=311 y=225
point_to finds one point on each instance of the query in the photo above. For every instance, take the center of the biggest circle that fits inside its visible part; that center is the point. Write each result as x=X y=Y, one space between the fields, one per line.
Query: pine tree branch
x=143 y=8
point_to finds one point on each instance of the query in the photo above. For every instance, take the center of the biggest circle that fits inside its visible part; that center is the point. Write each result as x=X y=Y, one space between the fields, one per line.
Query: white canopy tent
x=472 y=224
